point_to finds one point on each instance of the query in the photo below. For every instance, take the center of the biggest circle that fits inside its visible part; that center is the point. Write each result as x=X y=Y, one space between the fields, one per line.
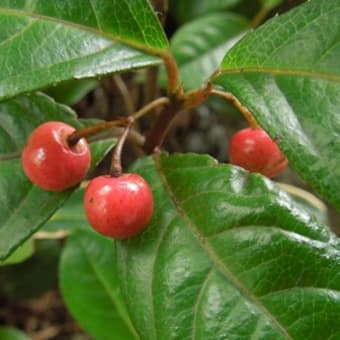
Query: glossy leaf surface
x=200 y=45
x=287 y=74
x=90 y=286
x=44 y=42
x=228 y=255
x=23 y=206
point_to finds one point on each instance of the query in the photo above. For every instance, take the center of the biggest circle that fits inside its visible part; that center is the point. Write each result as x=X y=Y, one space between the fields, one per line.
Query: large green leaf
x=23 y=206
x=90 y=286
x=228 y=255
x=200 y=45
x=45 y=42
x=287 y=73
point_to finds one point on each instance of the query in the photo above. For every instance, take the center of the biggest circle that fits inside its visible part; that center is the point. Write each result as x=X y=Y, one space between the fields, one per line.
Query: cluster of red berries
x=119 y=207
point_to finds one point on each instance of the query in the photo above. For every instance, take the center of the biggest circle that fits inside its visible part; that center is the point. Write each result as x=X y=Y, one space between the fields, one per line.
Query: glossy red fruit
x=119 y=207
x=255 y=151
x=50 y=163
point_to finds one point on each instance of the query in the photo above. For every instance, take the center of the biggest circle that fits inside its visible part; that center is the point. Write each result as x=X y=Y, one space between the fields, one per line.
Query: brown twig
x=174 y=86
x=158 y=132
x=121 y=122
x=149 y=107
x=90 y=130
x=151 y=90
x=176 y=104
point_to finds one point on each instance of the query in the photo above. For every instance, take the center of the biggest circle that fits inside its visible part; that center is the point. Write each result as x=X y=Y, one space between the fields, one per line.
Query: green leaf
x=9 y=333
x=21 y=254
x=287 y=73
x=200 y=45
x=23 y=206
x=228 y=255
x=42 y=43
x=70 y=216
x=90 y=286
x=191 y=9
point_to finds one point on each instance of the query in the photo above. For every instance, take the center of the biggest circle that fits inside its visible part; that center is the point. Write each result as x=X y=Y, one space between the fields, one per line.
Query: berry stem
x=149 y=107
x=116 y=169
x=121 y=122
x=233 y=100
x=74 y=137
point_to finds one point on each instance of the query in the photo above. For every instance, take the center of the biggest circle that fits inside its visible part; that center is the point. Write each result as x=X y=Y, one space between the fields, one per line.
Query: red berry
x=50 y=163
x=255 y=151
x=119 y=207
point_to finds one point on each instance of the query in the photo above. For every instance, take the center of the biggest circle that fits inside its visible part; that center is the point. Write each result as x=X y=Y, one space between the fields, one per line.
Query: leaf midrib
x=213 y=256
x=111 y=36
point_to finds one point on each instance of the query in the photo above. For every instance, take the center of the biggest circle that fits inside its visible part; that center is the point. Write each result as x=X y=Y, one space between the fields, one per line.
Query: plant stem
x=158 y=132
x=196 y=97
x=151 y=90
x=90 y=130
x=149 y=107
x=233 y=100
x=121 y=122
x=174 y=87
x=184 y=101
x=116 y=164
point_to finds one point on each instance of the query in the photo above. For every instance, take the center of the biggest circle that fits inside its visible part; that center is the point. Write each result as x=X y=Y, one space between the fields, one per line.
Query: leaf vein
x=213 y=256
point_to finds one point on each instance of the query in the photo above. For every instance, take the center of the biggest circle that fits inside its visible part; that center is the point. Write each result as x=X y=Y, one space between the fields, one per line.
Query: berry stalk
x=116 y=169
x=234 y=101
